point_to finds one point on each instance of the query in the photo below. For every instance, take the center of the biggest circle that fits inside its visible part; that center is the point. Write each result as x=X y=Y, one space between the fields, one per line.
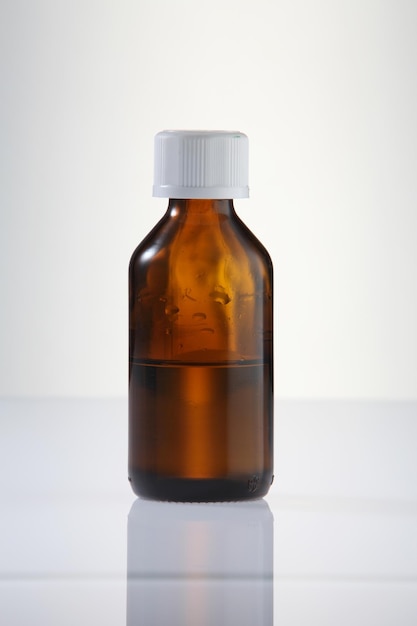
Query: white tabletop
x=334 y=542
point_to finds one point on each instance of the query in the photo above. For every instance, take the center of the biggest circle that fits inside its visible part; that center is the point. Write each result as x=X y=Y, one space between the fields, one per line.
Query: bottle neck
x=200 y=208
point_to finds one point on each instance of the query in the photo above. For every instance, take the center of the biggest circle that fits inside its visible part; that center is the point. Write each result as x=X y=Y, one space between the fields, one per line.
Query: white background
x=327 y=93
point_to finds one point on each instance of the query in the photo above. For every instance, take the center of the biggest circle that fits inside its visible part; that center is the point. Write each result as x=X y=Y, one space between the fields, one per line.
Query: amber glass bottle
x=200 y=332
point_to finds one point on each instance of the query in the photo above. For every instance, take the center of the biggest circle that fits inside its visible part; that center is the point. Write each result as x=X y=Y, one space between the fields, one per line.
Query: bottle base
x=155 y=487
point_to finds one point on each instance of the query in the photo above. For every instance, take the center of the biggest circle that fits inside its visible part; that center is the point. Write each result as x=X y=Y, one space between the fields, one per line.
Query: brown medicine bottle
x=200 y=332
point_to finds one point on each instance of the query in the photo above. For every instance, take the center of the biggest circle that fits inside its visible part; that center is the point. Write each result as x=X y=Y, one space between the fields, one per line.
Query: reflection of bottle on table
x=202 y=564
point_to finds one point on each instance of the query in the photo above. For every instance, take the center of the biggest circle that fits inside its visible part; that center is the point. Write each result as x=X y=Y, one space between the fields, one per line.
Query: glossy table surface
x=334 y=542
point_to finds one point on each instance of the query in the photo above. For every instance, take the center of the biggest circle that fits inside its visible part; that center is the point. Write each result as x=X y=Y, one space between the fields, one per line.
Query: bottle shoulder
x=254 y=242
x=188 y=241
x=154 y=240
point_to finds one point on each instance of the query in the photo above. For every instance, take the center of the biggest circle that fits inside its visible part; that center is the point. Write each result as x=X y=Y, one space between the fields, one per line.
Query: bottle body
x=200 y=358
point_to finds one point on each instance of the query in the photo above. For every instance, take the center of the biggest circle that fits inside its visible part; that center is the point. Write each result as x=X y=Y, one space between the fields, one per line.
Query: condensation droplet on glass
x=144 y=295
x=219 y=295
x=207 y=331
x=198 y=317
x=171 y=309
x=246 y=296
x=187 y=294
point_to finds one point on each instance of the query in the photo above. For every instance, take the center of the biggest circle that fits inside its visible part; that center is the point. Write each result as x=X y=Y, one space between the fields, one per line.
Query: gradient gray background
x=326 y=91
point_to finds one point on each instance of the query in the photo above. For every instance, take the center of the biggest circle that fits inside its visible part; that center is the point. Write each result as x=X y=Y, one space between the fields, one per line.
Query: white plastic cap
x=201 y=164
